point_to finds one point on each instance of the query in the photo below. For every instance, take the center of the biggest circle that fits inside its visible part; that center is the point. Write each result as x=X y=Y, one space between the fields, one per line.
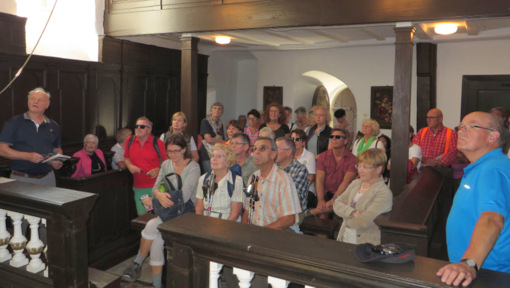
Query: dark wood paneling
x=483 y=92
x=125 y=18
x=12 y=34
x=426 y=66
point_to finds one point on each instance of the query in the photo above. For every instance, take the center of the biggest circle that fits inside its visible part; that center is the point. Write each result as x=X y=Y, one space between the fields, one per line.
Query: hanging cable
x=32 y=53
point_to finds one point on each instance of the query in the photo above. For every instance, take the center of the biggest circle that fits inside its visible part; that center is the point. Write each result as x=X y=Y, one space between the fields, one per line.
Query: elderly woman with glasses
x=370 y=129
x=364 y=200
x=91 y=159
x=220 y=193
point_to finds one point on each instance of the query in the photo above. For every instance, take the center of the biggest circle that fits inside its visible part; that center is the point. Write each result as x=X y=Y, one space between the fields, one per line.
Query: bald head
x=479 y=133
x=434 y=119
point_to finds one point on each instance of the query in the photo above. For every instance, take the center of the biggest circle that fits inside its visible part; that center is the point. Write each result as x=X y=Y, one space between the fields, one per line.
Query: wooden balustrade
x=110 y=237
x=193 y=241
x=66 y=213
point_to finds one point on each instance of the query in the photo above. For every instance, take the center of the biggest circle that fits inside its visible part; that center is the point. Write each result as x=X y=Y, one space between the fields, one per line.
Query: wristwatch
x=470 y=263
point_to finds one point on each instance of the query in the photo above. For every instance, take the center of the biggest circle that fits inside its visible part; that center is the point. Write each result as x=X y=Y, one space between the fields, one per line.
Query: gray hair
x=497 y=124
x=91 y=136
x=374 y=124
x=39 y=89
x=273 y=145
x=145 y=119
x=267 y=132
x=290 y=144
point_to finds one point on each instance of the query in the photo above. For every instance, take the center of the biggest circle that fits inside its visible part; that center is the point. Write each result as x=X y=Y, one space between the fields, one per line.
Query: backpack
x=154 y=143
x=236 y=171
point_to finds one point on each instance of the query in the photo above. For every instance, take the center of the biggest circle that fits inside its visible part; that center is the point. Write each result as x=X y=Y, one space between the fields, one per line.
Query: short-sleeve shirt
x=301 y=180
x=146 y=158
x=280 y=132
x=335 y=172
x=433 y=146
x=21 y=134
x=308 y=160
x=118 y=156
x=278 y=198
x=221 y=201
x=484 y=187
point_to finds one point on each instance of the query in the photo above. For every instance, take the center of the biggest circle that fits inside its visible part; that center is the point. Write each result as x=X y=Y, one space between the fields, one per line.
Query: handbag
x=179 y=207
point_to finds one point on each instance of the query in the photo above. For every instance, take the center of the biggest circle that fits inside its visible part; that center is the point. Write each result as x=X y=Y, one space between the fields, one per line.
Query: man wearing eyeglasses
x=335 y=170
x=477 y=231
x=438 y=143
x=143 y=161
x=299 y=173
x=241 y=145
x=277 y=203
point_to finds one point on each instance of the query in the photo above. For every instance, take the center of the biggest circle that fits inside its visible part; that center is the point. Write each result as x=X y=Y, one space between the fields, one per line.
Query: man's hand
x=34 y=157
x=330 y=202
x=134 y=169
x=321 y=204
x=154 y=172
x=56 y=164
x=457 y=273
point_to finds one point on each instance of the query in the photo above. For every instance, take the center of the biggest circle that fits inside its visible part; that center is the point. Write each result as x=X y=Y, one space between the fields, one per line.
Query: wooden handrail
x=194 y=240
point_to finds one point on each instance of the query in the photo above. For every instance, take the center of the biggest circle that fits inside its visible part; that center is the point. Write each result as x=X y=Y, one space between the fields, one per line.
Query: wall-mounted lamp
x=445 y=28
x=223 y=40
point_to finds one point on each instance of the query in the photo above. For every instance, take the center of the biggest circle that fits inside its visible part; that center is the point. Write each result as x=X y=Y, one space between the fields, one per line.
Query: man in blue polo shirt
x=29 y=138
x=477 y=231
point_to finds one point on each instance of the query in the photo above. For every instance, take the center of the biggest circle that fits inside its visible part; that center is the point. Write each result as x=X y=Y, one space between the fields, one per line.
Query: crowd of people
x=269 y=172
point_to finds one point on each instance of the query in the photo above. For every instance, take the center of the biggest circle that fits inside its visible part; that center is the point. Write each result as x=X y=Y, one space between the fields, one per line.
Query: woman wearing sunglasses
x=363 y=200
x=307 y=159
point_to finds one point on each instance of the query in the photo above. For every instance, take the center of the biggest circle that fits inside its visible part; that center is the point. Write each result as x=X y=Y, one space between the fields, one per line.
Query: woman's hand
x=147 y=201
x=163 y=198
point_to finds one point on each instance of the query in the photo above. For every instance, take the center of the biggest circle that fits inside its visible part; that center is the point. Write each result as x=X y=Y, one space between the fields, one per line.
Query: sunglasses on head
x=141 y=126
x=337 y=136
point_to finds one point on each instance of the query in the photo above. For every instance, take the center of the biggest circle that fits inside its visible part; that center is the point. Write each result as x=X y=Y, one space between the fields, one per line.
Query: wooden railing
x=195 y=241
x=110 y=237
x=66 y=213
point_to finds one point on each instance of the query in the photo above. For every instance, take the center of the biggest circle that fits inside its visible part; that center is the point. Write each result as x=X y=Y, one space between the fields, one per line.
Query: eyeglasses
x=141 y=126
x=361 y=166
x=214 y=156
x=173 y=151
x=283 y=149
x=297 y=139
x=433 y=117
x=261 y=148
x=470 y=127
x=337 y=136
x=252 y=118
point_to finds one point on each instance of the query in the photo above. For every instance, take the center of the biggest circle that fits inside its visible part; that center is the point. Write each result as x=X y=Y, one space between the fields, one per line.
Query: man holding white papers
x=28 y=139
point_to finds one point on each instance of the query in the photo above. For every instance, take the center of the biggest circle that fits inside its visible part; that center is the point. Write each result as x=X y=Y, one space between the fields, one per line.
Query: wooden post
x=189 y=82
x=401 y=107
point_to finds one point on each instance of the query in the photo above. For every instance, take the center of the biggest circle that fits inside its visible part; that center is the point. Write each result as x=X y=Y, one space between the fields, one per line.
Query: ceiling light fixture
x=445 y=28
x=223 y=40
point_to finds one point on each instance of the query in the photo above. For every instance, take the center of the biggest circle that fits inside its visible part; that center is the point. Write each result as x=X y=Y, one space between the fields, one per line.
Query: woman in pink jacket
x=91 y=159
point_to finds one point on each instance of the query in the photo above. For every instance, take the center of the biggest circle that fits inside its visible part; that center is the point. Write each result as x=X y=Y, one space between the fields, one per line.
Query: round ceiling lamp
x=445 y=28
x=222 y=40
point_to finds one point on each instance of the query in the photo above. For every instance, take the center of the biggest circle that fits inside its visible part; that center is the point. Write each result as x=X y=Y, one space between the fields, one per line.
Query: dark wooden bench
x=415 y=212
x=139 y=222
x=327 y=228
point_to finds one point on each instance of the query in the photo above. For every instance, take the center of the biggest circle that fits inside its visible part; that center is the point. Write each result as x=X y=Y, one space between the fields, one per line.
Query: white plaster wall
x=466 y=58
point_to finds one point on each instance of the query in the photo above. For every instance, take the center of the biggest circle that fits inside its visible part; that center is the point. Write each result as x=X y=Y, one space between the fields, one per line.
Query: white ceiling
x=335 y=36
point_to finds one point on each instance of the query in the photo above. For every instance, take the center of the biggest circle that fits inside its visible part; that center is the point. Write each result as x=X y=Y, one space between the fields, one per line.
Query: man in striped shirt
x=275 y=202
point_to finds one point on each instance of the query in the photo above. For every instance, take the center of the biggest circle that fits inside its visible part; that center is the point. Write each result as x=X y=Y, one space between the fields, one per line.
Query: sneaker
x=132 y=272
